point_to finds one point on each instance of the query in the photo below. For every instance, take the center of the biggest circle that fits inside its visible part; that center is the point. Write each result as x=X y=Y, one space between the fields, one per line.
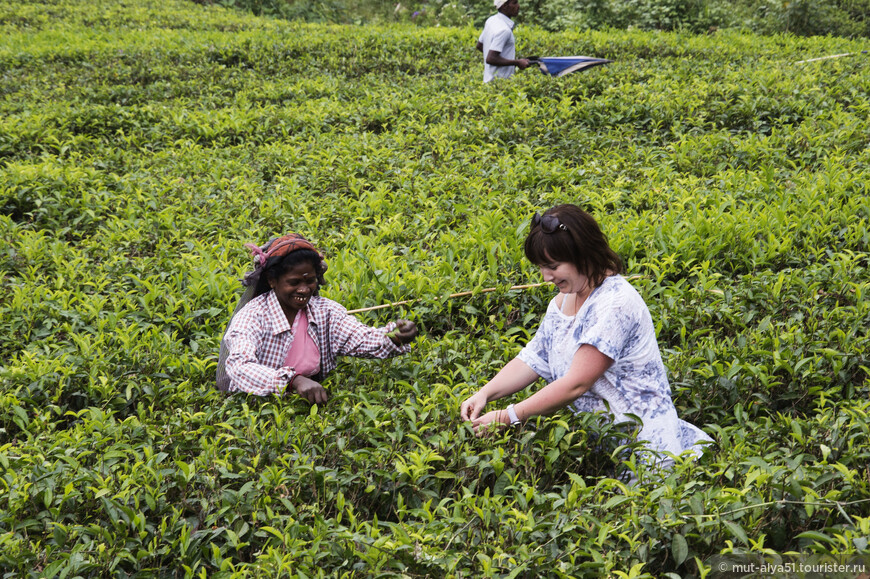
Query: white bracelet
x=512 y=414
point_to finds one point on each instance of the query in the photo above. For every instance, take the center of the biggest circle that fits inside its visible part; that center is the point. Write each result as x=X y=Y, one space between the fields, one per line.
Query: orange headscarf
x=278 y=247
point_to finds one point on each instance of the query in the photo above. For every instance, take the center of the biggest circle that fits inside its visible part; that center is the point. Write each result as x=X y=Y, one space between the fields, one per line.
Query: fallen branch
x=456 y=295
x=831 y=56
x=470 y=293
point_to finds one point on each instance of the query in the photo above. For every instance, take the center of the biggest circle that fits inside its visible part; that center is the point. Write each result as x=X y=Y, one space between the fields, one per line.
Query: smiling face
x=295 y=287
x=565 y=276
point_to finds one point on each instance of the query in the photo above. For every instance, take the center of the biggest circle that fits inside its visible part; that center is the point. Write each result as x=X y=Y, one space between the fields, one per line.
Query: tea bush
x=143 y=144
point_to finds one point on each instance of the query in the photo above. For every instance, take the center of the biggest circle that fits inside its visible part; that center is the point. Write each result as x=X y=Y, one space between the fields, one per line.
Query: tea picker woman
x=596 y=345
x=285 y=336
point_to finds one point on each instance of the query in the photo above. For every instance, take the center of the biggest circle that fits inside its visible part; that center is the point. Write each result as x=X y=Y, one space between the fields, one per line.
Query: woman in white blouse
x=596 y=346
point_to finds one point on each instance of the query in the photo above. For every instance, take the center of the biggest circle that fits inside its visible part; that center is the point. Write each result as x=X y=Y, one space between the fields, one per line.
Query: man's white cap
x=499 y=3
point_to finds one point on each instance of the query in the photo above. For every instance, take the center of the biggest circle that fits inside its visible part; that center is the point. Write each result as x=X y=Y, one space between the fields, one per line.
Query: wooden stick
x=831 y=56
x=456 y=295
x=486 y=291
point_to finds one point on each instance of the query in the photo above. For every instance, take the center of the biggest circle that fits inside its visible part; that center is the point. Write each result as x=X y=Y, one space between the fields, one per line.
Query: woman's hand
x=404 y=333
x=495 y=419
x=309 y=389
x=473 y=406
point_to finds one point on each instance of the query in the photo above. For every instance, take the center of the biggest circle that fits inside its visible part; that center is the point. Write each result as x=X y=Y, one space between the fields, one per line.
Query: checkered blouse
x=259 y=338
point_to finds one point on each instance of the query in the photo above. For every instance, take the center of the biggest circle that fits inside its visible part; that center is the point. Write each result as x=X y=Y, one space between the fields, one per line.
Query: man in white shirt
x=497 y=42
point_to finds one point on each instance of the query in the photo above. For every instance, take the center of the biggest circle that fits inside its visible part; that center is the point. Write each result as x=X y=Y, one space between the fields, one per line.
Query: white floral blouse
x=615 y=320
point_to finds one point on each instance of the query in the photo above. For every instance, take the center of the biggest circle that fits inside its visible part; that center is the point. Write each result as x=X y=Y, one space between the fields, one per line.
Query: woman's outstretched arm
x=587 y=366
x=515 y=376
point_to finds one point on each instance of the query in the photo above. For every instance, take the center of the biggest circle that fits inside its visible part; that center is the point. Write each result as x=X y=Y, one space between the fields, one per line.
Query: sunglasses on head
x=548 y=223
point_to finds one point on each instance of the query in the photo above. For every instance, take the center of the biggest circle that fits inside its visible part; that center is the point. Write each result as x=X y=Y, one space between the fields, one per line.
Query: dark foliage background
x=143 y=143
x=848 y=18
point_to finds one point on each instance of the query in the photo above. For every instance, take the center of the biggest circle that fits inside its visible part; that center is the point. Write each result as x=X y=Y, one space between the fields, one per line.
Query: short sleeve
x=500 y=40
x=536 y=354
x=612 y=324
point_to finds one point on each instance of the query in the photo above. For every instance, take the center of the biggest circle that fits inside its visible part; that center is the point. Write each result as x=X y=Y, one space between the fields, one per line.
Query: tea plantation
x=142 y=143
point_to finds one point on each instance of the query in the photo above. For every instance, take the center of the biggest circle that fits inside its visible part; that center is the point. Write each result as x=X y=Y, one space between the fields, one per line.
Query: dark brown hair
x=581 y=243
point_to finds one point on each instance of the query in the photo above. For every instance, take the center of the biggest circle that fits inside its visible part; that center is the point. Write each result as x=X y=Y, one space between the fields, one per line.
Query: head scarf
x=499 y=3
x=278 y=247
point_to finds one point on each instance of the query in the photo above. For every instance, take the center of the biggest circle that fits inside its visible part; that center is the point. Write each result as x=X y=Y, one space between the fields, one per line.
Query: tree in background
x=847 y=18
